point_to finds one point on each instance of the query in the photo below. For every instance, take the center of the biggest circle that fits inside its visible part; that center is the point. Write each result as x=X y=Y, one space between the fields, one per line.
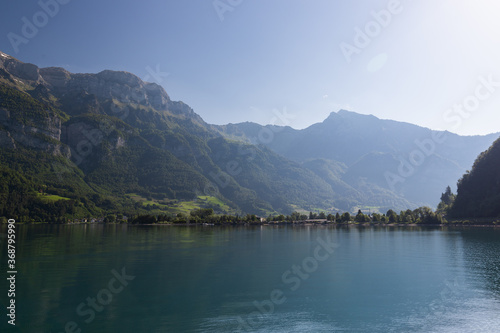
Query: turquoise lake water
x=119 y=278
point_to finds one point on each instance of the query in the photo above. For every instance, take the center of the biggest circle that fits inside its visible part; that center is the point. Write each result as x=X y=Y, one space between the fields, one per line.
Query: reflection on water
x=257 y=279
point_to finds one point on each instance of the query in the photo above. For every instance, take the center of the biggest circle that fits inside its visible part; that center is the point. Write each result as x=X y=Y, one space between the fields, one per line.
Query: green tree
x=425 y=215
x=446 y=204
x=144 y=219
x=406 y=216
x=359 y=216
x=447 y=197
x=346 y=217
x=202 y=213
x=392 y=216
x=110 y=218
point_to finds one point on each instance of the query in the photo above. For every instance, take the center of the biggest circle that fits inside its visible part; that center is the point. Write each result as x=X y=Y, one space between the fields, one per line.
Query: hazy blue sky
x=432 y=63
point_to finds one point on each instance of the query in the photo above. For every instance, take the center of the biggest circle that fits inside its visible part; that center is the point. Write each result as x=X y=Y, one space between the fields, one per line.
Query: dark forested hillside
x=478 y=192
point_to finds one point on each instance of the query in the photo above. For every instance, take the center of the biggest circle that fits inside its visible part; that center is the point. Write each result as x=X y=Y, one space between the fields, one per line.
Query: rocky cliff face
x=6 y=140
x=19 y=69
x=24 y=121
x=56 y=77
x=45 y=135
x=121 y=86
x=115 y=93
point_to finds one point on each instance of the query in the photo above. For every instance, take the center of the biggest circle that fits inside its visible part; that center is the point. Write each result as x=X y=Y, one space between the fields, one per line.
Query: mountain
x=478 y=193
x=88 y=144
x=78 y=145
x=371 y=161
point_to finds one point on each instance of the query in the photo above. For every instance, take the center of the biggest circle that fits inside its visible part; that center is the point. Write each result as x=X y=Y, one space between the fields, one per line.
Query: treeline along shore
x=205 y=216
x=419 y=216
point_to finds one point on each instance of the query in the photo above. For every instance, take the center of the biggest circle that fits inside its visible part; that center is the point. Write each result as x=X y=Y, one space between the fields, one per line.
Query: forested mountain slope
x=101 y=141
x=478 y=192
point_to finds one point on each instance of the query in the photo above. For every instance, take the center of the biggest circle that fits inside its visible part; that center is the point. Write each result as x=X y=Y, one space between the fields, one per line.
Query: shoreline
x=494 y=224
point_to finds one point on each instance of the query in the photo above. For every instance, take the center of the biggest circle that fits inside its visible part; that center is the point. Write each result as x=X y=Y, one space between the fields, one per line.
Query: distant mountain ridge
x=377 y=156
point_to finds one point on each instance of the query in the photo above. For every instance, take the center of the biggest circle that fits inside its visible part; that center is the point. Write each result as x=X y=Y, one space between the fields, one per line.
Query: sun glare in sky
x=247 y=60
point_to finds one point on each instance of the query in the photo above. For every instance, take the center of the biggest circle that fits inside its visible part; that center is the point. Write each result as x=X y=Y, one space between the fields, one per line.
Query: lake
x=119 y=278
